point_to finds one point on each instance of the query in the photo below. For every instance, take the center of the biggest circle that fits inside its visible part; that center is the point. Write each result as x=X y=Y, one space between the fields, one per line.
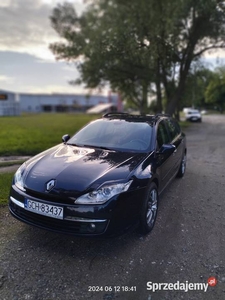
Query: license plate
x=44 y=209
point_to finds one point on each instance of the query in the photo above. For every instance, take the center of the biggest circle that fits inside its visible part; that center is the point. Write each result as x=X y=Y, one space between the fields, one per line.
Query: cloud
x=215 y=53
x=6 y=79
x=21 y=72
x=26 y=28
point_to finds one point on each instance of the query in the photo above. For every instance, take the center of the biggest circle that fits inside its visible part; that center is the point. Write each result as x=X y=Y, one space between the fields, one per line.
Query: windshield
x=114 y=134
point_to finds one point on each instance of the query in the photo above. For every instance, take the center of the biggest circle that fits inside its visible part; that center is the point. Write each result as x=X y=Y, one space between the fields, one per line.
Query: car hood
x=76 y=169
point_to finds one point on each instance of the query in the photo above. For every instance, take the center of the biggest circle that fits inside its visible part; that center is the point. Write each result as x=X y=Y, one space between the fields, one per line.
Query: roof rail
x=161 y=115
x=110 y=114
x=130 y=116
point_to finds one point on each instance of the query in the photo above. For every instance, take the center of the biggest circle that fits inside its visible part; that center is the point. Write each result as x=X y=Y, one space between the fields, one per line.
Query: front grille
x=63 y=198
x=64 y=226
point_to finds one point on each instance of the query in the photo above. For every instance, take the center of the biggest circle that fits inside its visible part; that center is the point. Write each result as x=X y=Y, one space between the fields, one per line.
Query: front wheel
x=149 y=209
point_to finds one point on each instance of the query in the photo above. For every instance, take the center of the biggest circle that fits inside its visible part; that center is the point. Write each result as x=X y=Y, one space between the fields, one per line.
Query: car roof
x=194 y=111
x=135 y=118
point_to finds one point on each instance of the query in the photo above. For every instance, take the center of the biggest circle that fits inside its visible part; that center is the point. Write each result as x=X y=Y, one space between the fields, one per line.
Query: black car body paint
x=60 y=176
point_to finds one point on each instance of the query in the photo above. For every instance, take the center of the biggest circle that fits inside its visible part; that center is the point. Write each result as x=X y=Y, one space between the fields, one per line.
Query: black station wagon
x=102 y=180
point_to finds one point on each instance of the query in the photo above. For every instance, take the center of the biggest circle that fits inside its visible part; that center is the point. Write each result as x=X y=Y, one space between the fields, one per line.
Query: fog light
x=91 y=227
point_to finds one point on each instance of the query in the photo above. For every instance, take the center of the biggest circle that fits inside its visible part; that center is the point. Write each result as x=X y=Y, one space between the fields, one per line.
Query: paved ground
x=186 y=245
x=9 y=168
x=12 y=158
x=15 y=160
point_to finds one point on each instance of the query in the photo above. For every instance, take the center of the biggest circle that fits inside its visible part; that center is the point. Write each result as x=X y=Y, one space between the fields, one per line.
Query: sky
x=26 y=63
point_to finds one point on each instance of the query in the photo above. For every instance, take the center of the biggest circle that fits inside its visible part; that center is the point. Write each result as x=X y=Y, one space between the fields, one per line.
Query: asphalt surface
x=16 y=161
x=186 y=247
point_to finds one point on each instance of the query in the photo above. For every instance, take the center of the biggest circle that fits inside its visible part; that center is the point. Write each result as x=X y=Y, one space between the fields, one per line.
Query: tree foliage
x=215 y=91
x=139 y=46
x=196 y=84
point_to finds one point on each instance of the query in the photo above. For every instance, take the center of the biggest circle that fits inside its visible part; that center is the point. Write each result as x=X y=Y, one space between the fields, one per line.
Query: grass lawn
x=5 y=183
x=184 y=125
x=31 y=134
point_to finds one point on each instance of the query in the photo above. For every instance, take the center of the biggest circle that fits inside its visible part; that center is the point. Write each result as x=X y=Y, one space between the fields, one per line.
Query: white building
x=9 y=104
x=12 y=103
x=61 y=102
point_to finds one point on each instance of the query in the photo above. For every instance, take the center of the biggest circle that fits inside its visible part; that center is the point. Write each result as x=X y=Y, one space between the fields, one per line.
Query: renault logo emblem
x=50 y=185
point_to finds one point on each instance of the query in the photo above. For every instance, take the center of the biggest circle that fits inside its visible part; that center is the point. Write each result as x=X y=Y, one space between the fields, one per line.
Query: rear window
x=115 y=134
x=193 y=112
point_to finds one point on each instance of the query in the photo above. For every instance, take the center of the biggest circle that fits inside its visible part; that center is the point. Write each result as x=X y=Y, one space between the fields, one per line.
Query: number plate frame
x=44 y=209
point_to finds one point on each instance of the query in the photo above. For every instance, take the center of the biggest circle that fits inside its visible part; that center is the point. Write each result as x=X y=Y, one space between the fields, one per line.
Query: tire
x=182 y=167
x=149 y=209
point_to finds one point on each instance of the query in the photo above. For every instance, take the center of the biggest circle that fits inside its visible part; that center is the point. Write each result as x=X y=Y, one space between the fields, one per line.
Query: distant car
x=104 y=179
x=193 y=115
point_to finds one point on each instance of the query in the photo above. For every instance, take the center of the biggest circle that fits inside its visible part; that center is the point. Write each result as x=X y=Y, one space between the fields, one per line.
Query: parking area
x=187 y=244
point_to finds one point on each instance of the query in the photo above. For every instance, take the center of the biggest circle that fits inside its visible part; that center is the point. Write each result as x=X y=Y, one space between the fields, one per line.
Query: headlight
x=104 y=193
x=19 y=176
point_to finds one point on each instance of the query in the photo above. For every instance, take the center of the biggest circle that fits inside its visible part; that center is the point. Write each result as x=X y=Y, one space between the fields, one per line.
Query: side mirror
x=167 y=149
x=65 y=138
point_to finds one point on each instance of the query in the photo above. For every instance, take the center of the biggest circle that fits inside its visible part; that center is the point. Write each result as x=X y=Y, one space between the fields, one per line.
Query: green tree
x=197 y=82
x=199 y=28
x=215 y=92
x=139 y=46
x=108 y=47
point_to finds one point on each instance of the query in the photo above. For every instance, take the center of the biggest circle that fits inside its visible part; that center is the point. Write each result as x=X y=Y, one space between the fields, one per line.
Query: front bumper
x=193 y=118
x=69 y=225
x=116 y=215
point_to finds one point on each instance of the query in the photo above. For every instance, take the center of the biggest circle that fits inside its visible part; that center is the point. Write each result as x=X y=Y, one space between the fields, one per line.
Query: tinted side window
x=177 y=127
x=174 y=128
x=162 y=135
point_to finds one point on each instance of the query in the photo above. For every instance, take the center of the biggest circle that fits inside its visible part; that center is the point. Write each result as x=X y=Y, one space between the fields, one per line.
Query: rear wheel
x=149 y=209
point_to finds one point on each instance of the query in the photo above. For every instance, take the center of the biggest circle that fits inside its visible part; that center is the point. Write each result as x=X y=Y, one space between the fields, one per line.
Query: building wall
x=59 y=102
x=9 y=104
x=12 y=103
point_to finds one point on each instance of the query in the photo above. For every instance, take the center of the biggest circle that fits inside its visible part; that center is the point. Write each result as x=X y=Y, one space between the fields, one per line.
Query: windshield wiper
x=97 y=147
x=104 y=148
x=90 y=146
x=76 y=145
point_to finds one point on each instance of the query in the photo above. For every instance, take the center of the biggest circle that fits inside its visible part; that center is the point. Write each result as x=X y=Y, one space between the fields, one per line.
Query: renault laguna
x=102 y=180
